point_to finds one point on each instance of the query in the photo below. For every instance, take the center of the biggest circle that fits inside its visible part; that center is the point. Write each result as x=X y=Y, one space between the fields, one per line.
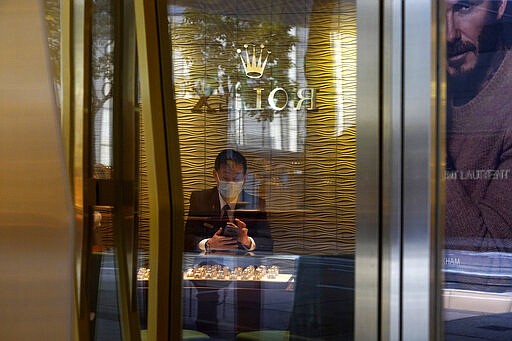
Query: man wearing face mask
x=226 y=217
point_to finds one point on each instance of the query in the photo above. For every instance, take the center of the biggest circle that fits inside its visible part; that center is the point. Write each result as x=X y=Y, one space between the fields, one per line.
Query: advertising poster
x=478 y=222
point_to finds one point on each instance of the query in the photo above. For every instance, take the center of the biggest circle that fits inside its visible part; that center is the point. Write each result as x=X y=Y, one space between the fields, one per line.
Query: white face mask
x=230 y=189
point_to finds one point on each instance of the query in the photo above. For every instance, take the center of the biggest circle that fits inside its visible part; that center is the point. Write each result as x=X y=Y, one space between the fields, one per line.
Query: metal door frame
x=400 y=162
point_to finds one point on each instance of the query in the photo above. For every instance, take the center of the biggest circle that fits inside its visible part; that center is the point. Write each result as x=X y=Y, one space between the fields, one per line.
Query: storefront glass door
x=266 y=107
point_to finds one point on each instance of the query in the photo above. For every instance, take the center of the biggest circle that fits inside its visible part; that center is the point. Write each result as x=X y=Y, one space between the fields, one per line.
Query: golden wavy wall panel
x=310 y=191
x=143 y=214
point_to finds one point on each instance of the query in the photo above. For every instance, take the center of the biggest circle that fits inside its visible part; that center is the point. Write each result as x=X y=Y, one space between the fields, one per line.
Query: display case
x=225 y=295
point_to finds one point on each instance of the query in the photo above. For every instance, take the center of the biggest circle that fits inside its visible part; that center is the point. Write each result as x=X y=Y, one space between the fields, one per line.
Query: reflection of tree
x=208 y=44
x=102 y=54
x=52 y=16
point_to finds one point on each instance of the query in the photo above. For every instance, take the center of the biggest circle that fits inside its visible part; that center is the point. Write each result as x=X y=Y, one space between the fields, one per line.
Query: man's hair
x=230 y=155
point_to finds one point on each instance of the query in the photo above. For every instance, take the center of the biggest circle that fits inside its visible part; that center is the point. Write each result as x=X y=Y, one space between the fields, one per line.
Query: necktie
x=224 y=213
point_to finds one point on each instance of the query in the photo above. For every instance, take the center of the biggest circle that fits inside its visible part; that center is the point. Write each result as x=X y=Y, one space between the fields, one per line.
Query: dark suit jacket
x=204 y=218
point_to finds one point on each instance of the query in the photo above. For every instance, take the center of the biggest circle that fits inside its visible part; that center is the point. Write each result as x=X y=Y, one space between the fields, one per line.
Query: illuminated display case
x=310 y=296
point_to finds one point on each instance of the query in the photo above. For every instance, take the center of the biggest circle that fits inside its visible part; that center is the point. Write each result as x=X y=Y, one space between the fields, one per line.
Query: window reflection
x=102 y=70
x=275 y=83
x=295 y=123
x=52 y=15
x=212 y=70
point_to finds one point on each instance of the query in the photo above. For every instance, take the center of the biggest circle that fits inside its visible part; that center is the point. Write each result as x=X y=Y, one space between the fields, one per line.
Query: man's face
x=468 y=26
x=231 y=172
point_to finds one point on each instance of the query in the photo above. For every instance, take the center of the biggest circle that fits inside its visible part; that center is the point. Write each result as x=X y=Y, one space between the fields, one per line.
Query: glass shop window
x=265 y=96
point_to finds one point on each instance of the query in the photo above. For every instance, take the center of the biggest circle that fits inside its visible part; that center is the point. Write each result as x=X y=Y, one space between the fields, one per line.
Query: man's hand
x=220 y=242
x=243 y=238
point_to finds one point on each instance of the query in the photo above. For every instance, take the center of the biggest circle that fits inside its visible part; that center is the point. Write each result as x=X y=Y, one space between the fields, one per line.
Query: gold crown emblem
x=253 y=66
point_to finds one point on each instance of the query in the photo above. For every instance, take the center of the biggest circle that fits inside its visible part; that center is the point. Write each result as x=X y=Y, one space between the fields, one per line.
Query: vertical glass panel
x=102 y=71
x=53 y=24
x=478 y=258
x=267 y=91
x=142 y=223
x=103 y=272
x=102 y=278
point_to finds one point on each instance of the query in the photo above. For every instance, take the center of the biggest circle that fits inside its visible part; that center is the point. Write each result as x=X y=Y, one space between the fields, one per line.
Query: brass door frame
x=164 y=168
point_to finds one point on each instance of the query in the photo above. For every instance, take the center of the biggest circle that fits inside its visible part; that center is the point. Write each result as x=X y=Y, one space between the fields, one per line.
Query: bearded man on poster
x=479 y=126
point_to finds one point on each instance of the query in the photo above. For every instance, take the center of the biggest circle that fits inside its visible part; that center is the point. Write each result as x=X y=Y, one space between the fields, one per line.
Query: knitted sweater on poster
x=479 y=173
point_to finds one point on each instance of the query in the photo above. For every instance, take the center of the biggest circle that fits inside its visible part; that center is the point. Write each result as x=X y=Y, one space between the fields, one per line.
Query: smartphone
x=230 y=231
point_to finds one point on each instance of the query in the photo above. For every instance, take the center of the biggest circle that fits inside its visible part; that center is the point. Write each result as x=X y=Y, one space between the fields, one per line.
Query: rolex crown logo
x=253 y=66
